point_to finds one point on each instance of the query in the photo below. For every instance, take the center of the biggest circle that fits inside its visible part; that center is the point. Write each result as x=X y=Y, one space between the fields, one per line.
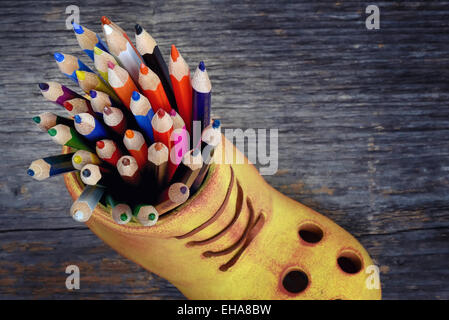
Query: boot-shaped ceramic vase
x=239 y=238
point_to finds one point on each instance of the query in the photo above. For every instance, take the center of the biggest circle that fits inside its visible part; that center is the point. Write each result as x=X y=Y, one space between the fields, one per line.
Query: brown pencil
x=158 y=159
x=129 y=170
x=172 y=197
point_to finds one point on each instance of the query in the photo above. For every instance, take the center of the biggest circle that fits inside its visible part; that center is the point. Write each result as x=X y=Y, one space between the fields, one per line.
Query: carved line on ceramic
x=234 y=246
x=238 y=210
x=254 y=230
x=217 y=213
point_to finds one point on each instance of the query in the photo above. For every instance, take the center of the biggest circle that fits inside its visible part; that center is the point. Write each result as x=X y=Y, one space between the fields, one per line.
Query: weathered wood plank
x=363 y=123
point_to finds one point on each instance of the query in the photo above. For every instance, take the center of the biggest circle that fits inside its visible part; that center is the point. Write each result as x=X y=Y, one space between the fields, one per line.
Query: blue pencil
x=201 y=96
x=142 y=111
x=50 y=166
x=69 y=64
x=88 y=39
x=89 y=127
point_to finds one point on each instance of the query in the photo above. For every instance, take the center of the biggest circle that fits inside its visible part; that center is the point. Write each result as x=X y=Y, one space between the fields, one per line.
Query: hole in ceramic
x=349 y=262
x=295 y=281
x=310 y=233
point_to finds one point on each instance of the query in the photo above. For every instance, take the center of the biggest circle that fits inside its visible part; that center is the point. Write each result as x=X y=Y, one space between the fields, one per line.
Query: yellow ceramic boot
x=239 y=238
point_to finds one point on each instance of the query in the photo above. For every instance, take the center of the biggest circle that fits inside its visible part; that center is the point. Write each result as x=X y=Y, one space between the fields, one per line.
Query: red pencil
x=162 y=128
x=108 y=151
x=114 y=118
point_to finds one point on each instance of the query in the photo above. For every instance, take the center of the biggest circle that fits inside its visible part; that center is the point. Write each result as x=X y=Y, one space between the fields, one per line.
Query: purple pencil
x=57 y=93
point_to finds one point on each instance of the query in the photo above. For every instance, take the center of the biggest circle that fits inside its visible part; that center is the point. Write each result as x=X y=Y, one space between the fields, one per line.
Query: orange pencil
x=121 y=82
x=162 y=128
x=137 y=147
x=152 y=89
x=182 y=87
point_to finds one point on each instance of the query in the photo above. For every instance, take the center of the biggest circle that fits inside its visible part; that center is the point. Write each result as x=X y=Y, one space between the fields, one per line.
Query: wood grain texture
x=363 y=119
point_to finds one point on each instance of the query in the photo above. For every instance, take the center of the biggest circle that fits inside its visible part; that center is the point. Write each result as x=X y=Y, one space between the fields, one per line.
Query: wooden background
x=363 y=121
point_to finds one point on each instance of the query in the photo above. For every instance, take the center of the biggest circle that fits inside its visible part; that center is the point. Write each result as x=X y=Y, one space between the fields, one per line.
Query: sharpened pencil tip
x=79 y=215
x=43 y=86
x=135 y=96
x=216 y=124
x=86 y=173
x=129 y=134
x=37 y=119
x=174 y=53
x=123 y=216
x=30 y=172
x=201 y=66
x=77 y=159
x=52 y=132
x=158 y=146
x=151 y=216
x=138 y=28
x=107 y=111
x=93 y=94
x=100 y=144
x=161 y=113
x=77 y=28
x=111 y=65
x=97 y=50
x=126 y=162
x=59 y=56
x=183 y=189
x=67 y=105
x=105 y=20
x=80 y=75
x=143 y=69
x=77 y=118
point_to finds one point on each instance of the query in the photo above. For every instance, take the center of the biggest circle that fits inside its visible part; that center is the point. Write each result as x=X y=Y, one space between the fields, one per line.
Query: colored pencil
x=182 y=87
x=83 y=208
x=101 y=62
x=142 y=111
x=93 y=174
x=108 y=151
x=121 y=82
x=90 y=81
x=89 y=127
x=57 y=93
x=162 y=128
x=128 y=169
x=137 y=147
x=152 y=88
x=114 y=118
x=67 y=136
x=68 y=65
x=146 y=215
x=78 y=105
x=149 y=50
x=172 y=197
x=201 y=96
x=188 y=170
x=158 y=160
x=211 y=138
x=83 y=157
x=120 y=211
x=99 y=100
x=88 y=40
x=123 y=50
x=47 y=120
x=44 y=168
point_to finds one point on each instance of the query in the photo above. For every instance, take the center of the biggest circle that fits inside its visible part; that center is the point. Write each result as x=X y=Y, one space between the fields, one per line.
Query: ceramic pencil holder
x=239 y=238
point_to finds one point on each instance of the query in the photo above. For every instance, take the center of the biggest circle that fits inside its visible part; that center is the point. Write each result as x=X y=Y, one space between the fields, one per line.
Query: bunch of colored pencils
x=129 y=133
